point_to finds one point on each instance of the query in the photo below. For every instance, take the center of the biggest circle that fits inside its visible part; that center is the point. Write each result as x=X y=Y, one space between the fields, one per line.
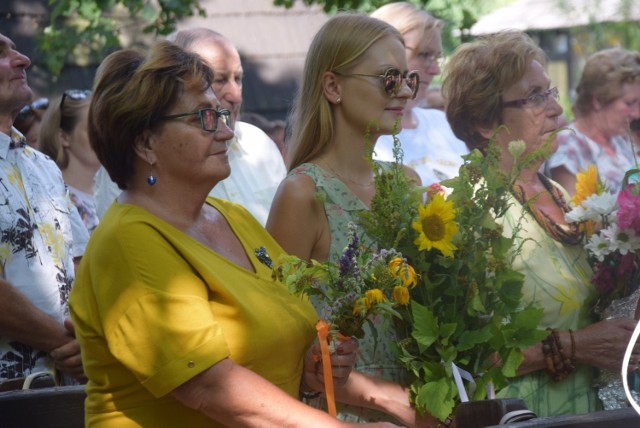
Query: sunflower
x=587 y=183
x=436 y=226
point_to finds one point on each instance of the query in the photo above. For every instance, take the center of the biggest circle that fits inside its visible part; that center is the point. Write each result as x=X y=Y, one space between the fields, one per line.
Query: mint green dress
x=557 y=279
x=376 y=356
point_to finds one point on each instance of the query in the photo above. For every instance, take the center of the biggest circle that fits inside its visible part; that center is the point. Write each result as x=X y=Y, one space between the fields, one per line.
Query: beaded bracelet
x=558 y=364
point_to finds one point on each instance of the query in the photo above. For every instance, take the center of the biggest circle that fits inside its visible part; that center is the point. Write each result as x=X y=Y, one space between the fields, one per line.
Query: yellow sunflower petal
x=587 y=184
x=436 y=226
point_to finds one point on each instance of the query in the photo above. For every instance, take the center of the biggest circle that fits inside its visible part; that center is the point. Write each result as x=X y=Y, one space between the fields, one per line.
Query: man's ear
x=331 y=87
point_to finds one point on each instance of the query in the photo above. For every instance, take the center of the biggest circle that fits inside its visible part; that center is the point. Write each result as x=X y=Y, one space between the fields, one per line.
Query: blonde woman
x=356 y=87
x=64 y=138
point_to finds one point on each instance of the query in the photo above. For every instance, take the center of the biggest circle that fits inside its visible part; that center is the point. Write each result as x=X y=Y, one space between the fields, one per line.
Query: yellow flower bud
x=406 y=273
x=401 y=295
x=360 y=306
x=374 y=296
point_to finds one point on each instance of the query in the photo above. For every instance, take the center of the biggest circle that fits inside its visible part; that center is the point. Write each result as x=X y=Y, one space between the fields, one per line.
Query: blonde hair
x=603 y=77
x=406 y=17
x=56 y=119
x=477 y=75
x=338 y=45
x=131 y=95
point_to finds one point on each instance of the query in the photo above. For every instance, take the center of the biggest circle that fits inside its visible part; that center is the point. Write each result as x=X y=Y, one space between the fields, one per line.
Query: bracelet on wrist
x=307 y=393
x=558 y=364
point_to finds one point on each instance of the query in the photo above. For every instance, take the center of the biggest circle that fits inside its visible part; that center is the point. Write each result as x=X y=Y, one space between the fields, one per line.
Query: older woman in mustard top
x=178 y=318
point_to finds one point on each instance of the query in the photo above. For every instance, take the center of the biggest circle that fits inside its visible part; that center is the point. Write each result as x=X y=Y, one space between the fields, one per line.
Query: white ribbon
x=625 y=367
x=460 y=374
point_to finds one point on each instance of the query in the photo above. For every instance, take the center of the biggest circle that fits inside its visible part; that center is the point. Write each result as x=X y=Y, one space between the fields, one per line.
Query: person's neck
x=592 y=127
x=79 y=175
x=346 y=157
x=179 y=207
x=6 y=122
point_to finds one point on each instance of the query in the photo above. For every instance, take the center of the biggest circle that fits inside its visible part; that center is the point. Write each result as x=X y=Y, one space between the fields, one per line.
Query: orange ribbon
x=323 y=328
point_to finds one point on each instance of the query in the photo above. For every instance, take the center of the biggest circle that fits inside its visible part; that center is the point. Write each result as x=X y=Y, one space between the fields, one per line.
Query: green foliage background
x=83 y=31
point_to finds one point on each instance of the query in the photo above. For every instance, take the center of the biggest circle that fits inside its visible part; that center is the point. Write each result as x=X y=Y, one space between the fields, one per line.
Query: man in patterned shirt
x=41 y=236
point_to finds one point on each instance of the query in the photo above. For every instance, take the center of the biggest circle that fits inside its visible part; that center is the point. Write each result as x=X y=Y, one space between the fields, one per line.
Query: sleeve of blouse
x=159 y=323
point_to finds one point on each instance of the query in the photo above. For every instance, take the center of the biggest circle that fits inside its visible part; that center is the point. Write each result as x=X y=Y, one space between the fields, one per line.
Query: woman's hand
x=604 y=343
x=342 y=361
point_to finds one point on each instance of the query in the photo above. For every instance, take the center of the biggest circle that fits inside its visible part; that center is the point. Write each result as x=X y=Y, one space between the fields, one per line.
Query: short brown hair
x=603 y=76
x=131 y=94
x=477 y=75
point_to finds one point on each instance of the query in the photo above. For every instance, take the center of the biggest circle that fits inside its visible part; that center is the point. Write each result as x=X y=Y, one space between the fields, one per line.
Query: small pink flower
x=625 y=266
x=629 y=209
x=435 y=189
x=603 y=278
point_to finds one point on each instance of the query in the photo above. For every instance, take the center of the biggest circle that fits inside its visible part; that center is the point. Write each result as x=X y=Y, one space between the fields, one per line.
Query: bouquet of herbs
x=465 y=309
x=361 y=285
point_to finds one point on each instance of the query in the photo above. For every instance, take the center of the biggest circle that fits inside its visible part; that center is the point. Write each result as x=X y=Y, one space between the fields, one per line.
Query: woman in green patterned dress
x=355 y=87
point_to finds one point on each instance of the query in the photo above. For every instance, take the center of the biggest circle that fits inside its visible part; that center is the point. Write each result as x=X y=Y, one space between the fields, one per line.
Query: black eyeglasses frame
x=223 y=114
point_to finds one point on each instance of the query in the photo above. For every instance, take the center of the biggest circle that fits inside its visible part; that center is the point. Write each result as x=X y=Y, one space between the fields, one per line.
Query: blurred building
x=557 y=25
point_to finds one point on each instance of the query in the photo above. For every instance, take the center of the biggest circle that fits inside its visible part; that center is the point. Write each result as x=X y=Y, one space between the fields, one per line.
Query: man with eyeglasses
x=257 y=166
x=41 y=238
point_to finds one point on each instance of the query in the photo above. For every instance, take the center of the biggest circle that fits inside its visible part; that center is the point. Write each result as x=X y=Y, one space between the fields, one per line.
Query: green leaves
x=84 y=31
x=437 y=397
x=465 y=309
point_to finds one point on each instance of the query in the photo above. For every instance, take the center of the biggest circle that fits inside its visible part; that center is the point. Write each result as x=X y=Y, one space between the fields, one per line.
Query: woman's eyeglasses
x=392 y=80
x=427 y=57
x=537 y=101
x=208 y=118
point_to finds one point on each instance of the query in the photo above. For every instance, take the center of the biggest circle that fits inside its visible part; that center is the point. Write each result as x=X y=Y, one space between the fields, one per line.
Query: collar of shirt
x=5 y=142
x=234 y=143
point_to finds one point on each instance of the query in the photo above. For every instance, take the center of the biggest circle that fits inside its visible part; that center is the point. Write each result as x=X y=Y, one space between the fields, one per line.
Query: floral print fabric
x=41 y=232
x=576 y=152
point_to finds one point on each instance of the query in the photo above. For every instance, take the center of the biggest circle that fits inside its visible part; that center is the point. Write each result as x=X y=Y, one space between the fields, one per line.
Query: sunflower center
x=433 y=227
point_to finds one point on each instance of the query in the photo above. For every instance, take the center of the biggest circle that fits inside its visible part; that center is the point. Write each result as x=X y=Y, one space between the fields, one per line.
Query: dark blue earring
x=151 y=179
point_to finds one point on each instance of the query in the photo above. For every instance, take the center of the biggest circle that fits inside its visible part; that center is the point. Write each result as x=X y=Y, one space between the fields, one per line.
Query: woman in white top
x=428 y=144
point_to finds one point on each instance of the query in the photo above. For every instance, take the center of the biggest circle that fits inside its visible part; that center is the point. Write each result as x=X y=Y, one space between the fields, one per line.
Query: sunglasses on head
x=74 y=94
x=392 y=80
x=39 y=104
